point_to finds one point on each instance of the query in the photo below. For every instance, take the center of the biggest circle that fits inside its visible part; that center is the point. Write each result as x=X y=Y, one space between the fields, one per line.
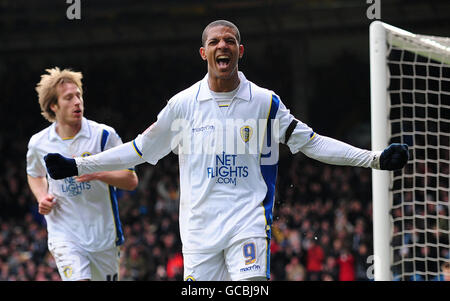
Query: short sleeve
x=114 y=140
x=35 y=167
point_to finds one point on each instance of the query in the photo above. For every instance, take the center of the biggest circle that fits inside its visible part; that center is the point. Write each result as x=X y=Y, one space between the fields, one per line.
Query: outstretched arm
x=300 y=137
x=150 y=146
x=117 y=158
x=332 y=151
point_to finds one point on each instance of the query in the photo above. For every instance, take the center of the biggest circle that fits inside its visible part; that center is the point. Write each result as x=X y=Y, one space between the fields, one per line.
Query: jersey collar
x=244 y=92
x=84 y=132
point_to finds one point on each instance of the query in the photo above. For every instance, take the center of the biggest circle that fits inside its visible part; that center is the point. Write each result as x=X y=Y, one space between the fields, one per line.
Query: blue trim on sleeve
x=137 y=149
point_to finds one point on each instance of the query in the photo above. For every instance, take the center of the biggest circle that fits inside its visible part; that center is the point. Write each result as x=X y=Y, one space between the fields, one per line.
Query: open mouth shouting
x=223 y=61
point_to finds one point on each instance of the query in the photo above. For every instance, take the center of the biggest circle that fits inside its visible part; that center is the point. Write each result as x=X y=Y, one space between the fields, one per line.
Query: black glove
x=60 y=167
x=395 y=156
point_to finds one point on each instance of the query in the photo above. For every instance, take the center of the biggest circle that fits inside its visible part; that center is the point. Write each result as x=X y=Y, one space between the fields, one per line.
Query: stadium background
x=135 y=56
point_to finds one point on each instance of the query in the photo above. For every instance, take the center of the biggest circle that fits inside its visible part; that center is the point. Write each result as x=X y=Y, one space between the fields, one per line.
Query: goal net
x=410 y=103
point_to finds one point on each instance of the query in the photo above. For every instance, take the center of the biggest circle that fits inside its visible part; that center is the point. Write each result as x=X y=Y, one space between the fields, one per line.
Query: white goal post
x=410 y=103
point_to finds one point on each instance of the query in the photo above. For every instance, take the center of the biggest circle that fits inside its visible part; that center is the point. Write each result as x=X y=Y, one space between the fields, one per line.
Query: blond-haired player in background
x=84 y=230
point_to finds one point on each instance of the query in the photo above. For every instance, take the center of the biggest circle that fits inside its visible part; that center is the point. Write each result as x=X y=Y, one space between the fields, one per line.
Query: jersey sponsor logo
x=71 y=188
x=226 y=171
x=246 y=133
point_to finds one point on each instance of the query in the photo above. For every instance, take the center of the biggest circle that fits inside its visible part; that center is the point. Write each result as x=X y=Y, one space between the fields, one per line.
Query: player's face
x=222 y=51
x=69 y=109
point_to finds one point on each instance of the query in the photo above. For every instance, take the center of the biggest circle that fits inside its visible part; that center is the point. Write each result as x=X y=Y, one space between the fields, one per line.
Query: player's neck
x=217 y=84
x=66 y=130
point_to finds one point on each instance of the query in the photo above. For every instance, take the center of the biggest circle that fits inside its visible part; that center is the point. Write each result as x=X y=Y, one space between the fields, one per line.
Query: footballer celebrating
x=226 y=131
x=84 y=230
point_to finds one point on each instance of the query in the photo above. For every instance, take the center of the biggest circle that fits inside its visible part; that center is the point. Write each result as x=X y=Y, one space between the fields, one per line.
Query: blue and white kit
x=85 y=213
x=228 y=160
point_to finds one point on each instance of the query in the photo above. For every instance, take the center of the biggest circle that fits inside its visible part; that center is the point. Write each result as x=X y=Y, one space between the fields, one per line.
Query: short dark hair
x=220 y=23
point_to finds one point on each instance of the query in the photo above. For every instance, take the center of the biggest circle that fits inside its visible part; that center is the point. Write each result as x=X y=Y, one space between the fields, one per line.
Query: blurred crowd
x=322 y=227
x=321 y=230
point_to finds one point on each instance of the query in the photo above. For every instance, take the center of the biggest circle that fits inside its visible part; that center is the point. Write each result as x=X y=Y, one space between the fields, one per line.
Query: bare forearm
x=38 y=186
x=123 y=179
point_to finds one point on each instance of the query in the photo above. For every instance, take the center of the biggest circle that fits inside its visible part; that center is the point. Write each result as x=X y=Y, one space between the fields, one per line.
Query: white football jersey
x=85 y=213
x=228 y=160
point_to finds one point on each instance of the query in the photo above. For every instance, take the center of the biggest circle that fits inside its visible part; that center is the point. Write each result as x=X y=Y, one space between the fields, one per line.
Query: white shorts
x=246 y=259
x=75 y=263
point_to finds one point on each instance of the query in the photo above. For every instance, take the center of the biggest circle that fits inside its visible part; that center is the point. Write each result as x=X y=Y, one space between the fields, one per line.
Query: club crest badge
x=67 y=271
x=246 y=133
x=86 y=154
